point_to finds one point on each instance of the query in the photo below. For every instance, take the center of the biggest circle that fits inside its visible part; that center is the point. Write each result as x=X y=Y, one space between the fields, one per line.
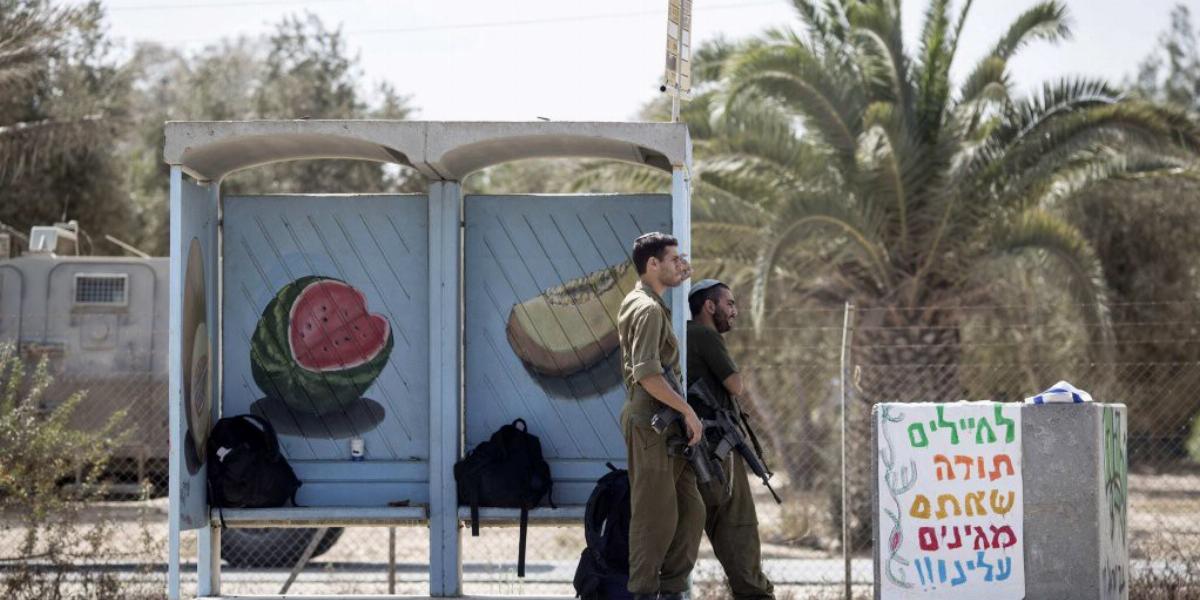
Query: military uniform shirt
x=709 y=358
x=648 y=347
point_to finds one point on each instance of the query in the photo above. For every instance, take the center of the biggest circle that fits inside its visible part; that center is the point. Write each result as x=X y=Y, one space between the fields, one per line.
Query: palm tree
x=834 y=165
x=930 y=191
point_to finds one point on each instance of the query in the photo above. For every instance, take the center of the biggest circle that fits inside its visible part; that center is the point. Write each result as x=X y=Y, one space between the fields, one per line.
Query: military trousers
x=732 y=529
x=667 y=513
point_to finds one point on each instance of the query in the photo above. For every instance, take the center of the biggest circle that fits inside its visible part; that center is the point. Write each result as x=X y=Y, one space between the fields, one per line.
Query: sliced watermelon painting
x=317 y=348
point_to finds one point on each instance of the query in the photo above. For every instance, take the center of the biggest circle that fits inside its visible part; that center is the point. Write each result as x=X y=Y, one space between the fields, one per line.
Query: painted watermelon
x=316 y=347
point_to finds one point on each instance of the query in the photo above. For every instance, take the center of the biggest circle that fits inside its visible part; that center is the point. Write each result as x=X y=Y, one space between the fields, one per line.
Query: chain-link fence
x=1145 y=355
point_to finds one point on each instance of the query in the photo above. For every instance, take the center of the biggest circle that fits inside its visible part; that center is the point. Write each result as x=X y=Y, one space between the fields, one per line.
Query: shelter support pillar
x=174 y=464
x=681 y=223
x=208 y=565
x=445 y=384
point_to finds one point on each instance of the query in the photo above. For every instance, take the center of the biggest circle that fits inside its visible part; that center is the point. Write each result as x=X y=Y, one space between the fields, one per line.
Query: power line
x=460 y=26
x=152 y=7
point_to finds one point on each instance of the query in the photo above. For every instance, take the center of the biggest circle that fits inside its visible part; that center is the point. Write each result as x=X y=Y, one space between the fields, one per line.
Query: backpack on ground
x=245 y=467
x=507 y=471
x=603 y=571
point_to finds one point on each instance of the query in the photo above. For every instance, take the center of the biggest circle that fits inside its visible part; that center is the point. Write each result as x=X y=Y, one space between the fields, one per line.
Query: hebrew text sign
x=950 y=500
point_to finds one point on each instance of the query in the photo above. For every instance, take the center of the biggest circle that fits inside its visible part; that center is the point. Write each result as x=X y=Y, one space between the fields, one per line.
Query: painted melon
x=569 y=328
x=316 y=347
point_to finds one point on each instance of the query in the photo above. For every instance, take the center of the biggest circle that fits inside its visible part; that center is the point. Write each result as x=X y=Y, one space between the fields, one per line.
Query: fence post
x=847 y=326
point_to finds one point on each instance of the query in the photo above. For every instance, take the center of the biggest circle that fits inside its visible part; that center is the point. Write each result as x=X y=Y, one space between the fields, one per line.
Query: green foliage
x=63 y=97
x=302 y=70
x=546 y=176
x=50 y=522
x=1172 y=72
x=81 y=131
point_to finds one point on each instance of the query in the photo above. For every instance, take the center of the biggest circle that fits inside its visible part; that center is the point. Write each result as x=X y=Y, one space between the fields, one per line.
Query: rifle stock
x=730 y=427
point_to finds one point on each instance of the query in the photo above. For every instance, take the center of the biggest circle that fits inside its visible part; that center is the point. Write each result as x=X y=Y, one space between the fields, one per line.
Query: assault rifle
x=699 y=456
x=732 y=432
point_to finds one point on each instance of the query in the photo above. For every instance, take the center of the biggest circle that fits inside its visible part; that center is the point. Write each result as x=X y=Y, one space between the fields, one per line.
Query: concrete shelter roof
x=210 y=150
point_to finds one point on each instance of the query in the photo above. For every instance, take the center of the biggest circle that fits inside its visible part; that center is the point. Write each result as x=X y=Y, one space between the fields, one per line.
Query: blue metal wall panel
x=517 y=248
x=193 y=380
x=376 y=244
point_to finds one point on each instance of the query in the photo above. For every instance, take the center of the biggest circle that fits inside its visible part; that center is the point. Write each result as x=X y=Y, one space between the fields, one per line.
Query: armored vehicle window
x=101 y=289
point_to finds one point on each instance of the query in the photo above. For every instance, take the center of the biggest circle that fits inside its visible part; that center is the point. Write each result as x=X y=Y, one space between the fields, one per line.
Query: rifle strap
x=753 y=437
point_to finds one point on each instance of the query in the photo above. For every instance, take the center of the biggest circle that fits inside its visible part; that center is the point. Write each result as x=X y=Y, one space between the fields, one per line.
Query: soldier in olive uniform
x=731 y=523
x=667 y=513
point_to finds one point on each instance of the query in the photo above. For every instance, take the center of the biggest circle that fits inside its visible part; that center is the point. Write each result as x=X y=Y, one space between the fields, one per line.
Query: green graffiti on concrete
x=1116 y=473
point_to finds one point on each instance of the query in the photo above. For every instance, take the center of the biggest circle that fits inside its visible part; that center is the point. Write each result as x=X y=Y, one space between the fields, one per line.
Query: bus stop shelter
x=452 y=315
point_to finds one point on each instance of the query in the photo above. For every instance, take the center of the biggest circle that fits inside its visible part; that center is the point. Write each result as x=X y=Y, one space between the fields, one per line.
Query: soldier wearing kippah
x=731 y=521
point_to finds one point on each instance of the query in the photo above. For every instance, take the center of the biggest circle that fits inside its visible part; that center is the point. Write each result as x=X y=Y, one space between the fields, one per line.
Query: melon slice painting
x=318 y=348
x=568 y=329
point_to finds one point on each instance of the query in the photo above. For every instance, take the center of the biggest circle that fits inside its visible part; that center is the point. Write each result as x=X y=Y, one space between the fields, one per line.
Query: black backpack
x=603 y=571
x=507 y=471
x=245 y=468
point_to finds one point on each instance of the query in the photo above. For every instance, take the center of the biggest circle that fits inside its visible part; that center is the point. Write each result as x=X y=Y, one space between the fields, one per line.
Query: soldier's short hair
x=651 y=244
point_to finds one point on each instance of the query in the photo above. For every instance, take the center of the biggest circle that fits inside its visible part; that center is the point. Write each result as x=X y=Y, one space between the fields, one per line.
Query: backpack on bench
x=245 y=467
x=507 y=471
x=603 y=570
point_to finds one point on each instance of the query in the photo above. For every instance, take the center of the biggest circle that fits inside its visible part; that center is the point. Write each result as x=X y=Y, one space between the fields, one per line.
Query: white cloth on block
x=1061 y=392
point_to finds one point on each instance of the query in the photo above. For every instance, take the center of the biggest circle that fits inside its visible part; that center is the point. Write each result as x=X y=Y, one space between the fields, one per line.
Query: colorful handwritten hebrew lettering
x=950 y=494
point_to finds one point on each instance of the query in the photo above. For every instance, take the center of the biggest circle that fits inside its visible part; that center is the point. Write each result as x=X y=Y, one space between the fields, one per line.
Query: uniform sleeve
x=714 y=353
x=646 y=340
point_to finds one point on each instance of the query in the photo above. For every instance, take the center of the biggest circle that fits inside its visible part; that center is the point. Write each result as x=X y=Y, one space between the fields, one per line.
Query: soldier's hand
x=695 y=429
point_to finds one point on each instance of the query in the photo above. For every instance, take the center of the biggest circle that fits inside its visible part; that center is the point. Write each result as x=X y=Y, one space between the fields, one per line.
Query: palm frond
x=989 y=81
x=958 y=27
x=731 y=242
x=758 y=127
x=828 y=213
x=710 y=60
x=28 y=33
x=816 y=21
x=1056 y=98
x=1042 y=149
x=877 y=37
x=1040 y=231
x=1102 y=165
x=1047 y=21
x=615 y=176
x=748 y=176
x=933 y=69
x=883 y=151
x=1027 y=120
x=24 y=146
x=712 y=203
x=796 y=78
